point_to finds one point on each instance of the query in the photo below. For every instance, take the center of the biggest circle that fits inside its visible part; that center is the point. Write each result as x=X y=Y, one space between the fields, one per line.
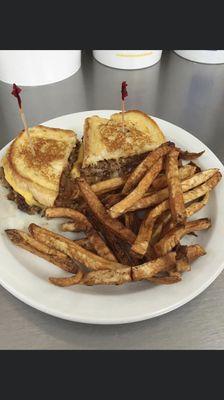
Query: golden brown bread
x=37 y=178
x=105 y=140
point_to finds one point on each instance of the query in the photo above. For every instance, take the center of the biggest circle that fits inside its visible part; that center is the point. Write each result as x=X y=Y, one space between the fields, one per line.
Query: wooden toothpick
x=124 y=94
x=16 y=92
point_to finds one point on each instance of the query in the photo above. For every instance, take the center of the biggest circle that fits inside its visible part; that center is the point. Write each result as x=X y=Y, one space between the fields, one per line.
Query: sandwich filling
x=106 y=169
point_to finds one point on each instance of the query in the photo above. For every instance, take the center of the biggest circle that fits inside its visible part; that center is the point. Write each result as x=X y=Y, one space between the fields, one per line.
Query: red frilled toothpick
x=124 y=94
x=16 y=92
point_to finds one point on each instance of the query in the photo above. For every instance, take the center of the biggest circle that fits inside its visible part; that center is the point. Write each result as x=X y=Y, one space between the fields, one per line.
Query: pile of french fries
x=133 y=225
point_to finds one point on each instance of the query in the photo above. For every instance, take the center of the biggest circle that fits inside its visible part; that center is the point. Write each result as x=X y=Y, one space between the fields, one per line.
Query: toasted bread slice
x=37 y=178
x=105 y=140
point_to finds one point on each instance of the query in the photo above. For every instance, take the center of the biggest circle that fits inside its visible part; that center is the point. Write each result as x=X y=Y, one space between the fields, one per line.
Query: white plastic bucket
x=203 y=56
x=38 y=67
x=128 y=59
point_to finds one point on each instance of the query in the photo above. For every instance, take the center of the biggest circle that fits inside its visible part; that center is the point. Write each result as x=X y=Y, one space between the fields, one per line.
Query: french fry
x=141 y=243
x=188 y=254
x=190 y=210
x=183 y=265
x=108 y=185
x=81 y=223
x=174 y=273
x=151 y=268
x=188 y=184
x=161 y=222
x=184 y=172
x=172 y=238
x=100 y=246
x=166 y=280
x=121 y=276
x=62 y=212
x=67 y=281
x=197 y=205
x=138 y=192
x=191 y=252
x=145 y=231
x=176 y=199
x=132 y=221
x=145 y=165
x=27 y=242
x=129 y=220
x=112 y=199
x=186 y=155
x=74 y=226
x=117 y=277
x=73 y=250
x=117 y=246
x=101 y=214
x=86 y=244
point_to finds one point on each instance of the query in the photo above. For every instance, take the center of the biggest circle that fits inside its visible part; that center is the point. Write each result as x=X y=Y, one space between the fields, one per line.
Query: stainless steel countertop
x=187 y=94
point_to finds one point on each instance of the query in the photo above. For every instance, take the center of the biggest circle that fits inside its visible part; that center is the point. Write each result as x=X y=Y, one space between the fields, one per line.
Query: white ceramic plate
x=26 y=276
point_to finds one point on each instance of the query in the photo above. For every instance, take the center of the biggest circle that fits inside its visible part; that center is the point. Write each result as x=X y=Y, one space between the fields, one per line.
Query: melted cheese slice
x=29 y=199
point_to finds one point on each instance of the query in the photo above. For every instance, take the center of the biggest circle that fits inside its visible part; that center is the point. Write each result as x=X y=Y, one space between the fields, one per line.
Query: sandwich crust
x=104 y=138
x=37 y=178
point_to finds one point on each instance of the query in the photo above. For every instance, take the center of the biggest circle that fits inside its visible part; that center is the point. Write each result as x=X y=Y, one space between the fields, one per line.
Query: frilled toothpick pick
x=16 y=92
x=124 y=94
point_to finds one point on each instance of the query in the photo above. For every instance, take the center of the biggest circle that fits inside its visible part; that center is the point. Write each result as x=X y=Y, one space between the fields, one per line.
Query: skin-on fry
x=106 y=277
x=162 y=221
x=174 y=273
x=86 y=244
x=101 y=214
x=74 y=226
x=176 y=199
x=197 y=205
x=117 y=246
x=191 y=252
x=186 y=185
x=188 y=254
x=132 y=221
x=100 y=246
x=151 y=268
x=146 y=228
x=138 y=192
x=61 y=212
x=145 y=165
x=112 y=199
x=183 y=265
x=186 y=155
x=129 y=220
x=165 y=280
x=27 y=242
x=190 y=210
x=172 y=238
x=69 y=247
x=67 y=281
x=184 y=172
x=121 y=276
x=141 y=243
x=81 y=223
x=108 y=185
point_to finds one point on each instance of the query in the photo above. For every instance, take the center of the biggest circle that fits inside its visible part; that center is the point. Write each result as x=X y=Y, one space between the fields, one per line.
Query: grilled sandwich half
x=38 y=181
x=109 y=151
